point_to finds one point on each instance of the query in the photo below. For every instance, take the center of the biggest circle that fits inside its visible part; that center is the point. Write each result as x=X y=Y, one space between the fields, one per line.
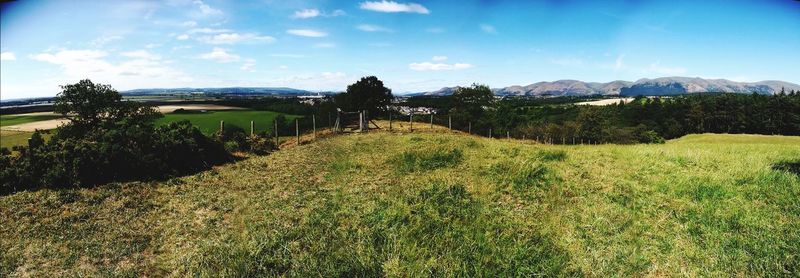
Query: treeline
x=644 y=120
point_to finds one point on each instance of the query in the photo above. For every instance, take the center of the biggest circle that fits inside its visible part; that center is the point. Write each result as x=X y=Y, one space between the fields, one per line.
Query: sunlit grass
x=431 y=204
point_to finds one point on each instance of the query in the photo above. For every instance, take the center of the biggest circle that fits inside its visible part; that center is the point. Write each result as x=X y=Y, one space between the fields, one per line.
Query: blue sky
x=412 y=46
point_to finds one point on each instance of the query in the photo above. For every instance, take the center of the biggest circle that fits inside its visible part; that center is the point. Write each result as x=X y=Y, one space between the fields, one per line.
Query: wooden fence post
x=431 y=120
x=469 y=128
x=390 y=120
x=276 y=133
x=252 y=128
x=314 y=124
x=329 y=120
x=490 y=132
x=508 y=135
x=411 y=121
x=221 y=127
x=297 y=129
x=449 y=122
x=523 y=137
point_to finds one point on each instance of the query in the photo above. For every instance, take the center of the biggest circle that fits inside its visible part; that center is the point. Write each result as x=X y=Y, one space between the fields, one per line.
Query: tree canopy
x=369 y=94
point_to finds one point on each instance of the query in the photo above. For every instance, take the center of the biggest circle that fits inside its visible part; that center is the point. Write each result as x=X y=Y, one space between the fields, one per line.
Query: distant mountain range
x=647 y=87
x=277 y=91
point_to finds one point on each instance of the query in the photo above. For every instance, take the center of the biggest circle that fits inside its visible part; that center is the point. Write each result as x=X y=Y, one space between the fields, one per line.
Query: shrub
x=107 y=140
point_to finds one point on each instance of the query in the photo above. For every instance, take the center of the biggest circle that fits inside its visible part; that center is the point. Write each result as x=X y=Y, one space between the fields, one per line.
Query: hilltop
x=382 y=204
x=645 y=87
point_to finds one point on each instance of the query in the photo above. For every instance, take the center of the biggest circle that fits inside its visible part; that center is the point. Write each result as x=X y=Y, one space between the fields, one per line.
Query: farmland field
x=431 y=204
x=208 y=122
x=8 y=120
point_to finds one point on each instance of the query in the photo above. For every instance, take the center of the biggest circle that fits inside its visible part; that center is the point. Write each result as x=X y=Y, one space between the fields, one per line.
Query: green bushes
x=125 y=153
x=106 y=140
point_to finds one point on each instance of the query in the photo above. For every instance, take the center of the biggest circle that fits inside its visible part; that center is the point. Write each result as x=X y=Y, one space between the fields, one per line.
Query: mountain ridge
x=662 y=86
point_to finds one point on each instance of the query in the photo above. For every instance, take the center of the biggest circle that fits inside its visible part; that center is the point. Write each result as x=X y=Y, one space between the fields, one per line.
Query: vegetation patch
x=552 y=155
x=428 y=159
x=521 y=175
x=445 y=231
x=788 y=166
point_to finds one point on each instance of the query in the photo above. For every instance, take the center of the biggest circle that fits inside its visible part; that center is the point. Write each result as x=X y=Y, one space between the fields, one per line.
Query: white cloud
x=435 y=30
x=141 y=54
x=283 y=67
x=220 y=55
x=618 y=64
x=7 y=56
x=152 y=45
x=488 y=29
x=311 y=13
x=190 y=24
x=428 y=66
x=439 y=58
x=233 y=38
x=307 y=33
x=306 y=13
x=205 y=9
x=658 y=68
x=208 y=31
x=142 y=68
x=248 y=65
x=372 y=28
x=325 y=45
x=320 y=81
x=99 y=42
x=393 y=7
x=284 y=55
x=336 y=13
x=182 y=37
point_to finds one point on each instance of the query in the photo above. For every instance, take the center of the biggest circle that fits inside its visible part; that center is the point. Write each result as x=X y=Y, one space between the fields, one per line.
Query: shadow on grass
x=788 y=166
x=5 y=190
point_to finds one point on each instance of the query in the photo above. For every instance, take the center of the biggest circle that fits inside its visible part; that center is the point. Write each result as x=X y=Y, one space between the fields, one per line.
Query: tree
x=369 y=94
x=88 y=105
x=469 y=103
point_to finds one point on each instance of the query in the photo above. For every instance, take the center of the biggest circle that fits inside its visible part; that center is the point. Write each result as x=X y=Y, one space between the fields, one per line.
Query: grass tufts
x=427 y=159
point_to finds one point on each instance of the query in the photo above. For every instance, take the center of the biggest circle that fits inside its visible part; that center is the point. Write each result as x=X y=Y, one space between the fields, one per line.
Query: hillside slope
x=430 y=204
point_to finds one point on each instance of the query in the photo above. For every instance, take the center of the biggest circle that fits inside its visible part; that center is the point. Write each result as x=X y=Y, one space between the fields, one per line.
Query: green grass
x=704 y=205
x=208 y=122
x=11 y=138
x=7 y=120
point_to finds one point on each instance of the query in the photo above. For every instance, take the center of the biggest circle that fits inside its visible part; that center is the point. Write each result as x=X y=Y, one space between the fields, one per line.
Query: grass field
x=10 y=138
x=429 y=204
x=7 y=120
x=208 y=122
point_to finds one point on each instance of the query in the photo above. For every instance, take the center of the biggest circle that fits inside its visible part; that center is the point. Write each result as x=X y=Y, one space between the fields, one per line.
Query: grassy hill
x=431 y=204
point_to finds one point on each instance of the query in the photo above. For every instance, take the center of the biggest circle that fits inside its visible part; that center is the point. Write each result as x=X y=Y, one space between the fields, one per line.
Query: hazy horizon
x=412 y=46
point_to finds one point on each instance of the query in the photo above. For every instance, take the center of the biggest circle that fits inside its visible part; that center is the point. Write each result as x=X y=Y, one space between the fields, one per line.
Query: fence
x=308 y=128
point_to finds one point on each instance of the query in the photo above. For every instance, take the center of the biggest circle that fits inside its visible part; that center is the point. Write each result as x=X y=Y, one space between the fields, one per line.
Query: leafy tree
x=369 y=94
x=469 y=103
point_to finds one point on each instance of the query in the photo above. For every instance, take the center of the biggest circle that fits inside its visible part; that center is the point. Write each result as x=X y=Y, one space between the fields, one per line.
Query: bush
x=106 y=140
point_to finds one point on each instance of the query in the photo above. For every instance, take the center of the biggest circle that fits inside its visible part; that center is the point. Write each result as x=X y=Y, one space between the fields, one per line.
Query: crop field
x=9 y=120
x=208 y=122
x=431 y=204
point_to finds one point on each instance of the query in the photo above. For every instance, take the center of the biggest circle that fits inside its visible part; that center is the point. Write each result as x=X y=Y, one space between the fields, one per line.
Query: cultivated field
x=208 y=122
x=427 y=204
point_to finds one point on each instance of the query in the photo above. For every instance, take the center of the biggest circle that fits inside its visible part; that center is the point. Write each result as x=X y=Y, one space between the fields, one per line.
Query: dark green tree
x=469 y=103
x=369 y=94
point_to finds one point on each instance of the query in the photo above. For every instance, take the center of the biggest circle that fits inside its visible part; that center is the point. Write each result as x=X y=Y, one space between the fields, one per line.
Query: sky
x=411 y=46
